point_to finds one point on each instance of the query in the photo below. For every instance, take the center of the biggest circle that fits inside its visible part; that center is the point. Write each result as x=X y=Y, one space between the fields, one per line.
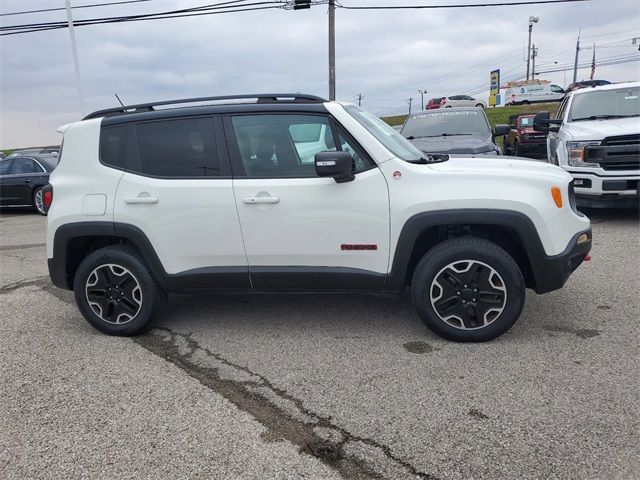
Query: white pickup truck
x=596 y=138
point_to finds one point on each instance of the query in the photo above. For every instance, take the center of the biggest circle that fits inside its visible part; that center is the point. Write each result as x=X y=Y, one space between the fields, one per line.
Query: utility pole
x=359 y=97
x=575 y=64
x=332 y=50
x=410 y=101
x=74 y=53
x=534 y=54
x=593 y=63
x=532 y=20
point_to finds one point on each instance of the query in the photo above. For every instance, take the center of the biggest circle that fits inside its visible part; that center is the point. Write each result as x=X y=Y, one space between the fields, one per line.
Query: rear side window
x=177 y=148
x=24 y=165
x=4 y=166
x=113 y=146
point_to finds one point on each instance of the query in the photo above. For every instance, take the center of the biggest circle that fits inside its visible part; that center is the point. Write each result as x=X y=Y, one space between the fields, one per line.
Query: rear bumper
x=551 y=273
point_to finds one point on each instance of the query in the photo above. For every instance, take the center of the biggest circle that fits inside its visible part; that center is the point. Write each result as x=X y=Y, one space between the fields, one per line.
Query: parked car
x=216 y=198
x=433 y=103
x=534 y=93
x=22 y=179
x=34 y=151
x=461 y=101
x=596 y=138
x=453 y=131
x=523 y=140
x=587 y=83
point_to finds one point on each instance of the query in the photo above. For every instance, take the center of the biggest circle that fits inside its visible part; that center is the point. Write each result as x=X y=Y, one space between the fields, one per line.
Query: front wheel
x=115 y=291
x=468 y=290
x=479 y=105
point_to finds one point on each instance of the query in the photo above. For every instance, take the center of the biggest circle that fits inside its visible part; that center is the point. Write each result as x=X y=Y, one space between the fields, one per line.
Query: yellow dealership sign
x=494 y=88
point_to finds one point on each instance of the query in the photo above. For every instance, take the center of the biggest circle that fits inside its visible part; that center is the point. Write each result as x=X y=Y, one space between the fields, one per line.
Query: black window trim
x=237 y=166
x=133 y=155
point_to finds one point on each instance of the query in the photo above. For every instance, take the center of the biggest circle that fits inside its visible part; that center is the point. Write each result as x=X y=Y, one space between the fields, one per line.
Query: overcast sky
x=385 y=55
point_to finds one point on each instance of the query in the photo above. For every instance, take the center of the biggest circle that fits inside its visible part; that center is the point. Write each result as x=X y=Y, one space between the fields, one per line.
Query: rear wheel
x=480 y=105
x=115 y=292
x=468 y=290
x=525 y=102
x=38 y=201
x=516 y=149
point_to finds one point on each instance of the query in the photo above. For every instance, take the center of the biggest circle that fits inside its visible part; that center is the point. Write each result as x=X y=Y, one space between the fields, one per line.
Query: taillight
x=47 y=197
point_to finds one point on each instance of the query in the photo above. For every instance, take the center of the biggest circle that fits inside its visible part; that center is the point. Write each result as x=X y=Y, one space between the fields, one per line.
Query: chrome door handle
x=255 y=200
x=144 y=199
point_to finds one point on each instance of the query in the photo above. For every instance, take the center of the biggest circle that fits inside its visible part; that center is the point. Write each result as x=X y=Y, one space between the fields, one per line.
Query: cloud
x=385 y=55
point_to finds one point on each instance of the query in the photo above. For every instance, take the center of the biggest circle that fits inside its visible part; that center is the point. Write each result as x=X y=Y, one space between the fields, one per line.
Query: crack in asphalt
x=29 y=282
x=332 y=451
x=21 y=247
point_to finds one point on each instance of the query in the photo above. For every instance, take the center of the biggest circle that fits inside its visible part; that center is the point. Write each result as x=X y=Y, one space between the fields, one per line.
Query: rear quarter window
x=113 y=146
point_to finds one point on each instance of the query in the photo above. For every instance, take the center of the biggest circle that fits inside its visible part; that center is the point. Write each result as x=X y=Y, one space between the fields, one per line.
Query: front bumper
x=552 y=272
x=594 y=190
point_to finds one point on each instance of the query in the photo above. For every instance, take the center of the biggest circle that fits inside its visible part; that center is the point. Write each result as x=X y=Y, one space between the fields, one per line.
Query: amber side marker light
x=582 y=239
x=557 y=196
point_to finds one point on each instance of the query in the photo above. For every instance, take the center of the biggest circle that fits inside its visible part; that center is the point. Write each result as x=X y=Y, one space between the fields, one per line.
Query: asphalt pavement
x=321 y=386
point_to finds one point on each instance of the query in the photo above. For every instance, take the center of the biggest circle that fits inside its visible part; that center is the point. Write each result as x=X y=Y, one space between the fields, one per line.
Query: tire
x=117 y=271
x=525 y=102
x=38 y=202
x=493 y=271
x=448 y=106
x=516 y=149
x=480 y=105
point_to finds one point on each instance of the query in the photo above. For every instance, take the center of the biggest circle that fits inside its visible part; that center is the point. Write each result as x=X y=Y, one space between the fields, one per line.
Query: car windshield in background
x=444 y=123
x=619 y=103
x=526 y=122
x=392 y=140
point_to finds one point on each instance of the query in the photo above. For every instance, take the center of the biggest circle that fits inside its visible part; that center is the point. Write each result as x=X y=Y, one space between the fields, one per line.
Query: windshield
x=392 y=140
x=526 y=122
x=464 y=122
x=621 y=102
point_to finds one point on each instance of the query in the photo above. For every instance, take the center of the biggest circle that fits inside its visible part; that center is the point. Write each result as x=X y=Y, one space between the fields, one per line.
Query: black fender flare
x=421 y=222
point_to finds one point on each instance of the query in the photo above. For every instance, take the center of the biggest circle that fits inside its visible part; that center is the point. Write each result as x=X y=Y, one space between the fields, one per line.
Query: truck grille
x=616 y=153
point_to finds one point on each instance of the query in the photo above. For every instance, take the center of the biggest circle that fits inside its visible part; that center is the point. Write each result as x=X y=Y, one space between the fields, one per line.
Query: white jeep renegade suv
x=294 y=193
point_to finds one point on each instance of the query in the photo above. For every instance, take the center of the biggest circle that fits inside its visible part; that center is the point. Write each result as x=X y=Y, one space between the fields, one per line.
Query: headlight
x=575 y=152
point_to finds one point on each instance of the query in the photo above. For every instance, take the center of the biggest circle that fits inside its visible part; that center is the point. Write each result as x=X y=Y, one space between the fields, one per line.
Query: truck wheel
x=468 y=290
x=516 y=149
x=115 y=292
x=525 y=102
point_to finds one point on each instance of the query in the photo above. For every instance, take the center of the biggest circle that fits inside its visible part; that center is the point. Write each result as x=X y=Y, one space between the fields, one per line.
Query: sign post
x=494 y=88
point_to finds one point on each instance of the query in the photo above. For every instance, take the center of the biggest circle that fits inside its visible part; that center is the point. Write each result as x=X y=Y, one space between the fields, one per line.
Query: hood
x=600 y=129
x=531 y=131
x=499 y=165
x=455 y=144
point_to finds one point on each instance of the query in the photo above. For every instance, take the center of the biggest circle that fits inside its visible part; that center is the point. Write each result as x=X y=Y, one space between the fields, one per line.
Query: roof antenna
x=119 y=99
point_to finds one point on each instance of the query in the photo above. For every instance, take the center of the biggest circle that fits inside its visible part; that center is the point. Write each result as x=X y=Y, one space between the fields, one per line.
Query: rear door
x=301 y=231
x=177 y=189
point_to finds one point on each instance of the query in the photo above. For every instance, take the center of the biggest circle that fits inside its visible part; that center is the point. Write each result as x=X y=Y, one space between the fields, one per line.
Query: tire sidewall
x=150 y=292
x=496 y=258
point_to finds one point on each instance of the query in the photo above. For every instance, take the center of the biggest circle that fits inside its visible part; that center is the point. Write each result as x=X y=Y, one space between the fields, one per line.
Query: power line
x=462 y=5
x=213 y=9
x=43 y=10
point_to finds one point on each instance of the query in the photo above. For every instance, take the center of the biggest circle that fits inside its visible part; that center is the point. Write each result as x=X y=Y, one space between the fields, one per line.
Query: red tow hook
x=587 y=258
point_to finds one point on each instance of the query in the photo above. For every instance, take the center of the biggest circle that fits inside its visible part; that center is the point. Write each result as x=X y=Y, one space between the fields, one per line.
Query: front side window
x=286 y=145
x=391 y=139
x=603 y=104
x=22 y=166
x=177 y=148
x=556 y=89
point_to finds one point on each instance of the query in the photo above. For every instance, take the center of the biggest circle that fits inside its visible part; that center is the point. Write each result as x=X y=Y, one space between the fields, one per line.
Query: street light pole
x=422 y=92
x=532 y=20
x=332 y=50
x=74 y=53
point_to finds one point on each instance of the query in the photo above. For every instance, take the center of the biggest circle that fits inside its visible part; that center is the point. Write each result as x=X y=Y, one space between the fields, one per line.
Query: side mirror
x=338 y=165
x=543 y=122
x=501 y=130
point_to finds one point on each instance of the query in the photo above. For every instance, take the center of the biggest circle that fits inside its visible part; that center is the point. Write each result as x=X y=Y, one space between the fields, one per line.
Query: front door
x=303 y=232
x=178 y=191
